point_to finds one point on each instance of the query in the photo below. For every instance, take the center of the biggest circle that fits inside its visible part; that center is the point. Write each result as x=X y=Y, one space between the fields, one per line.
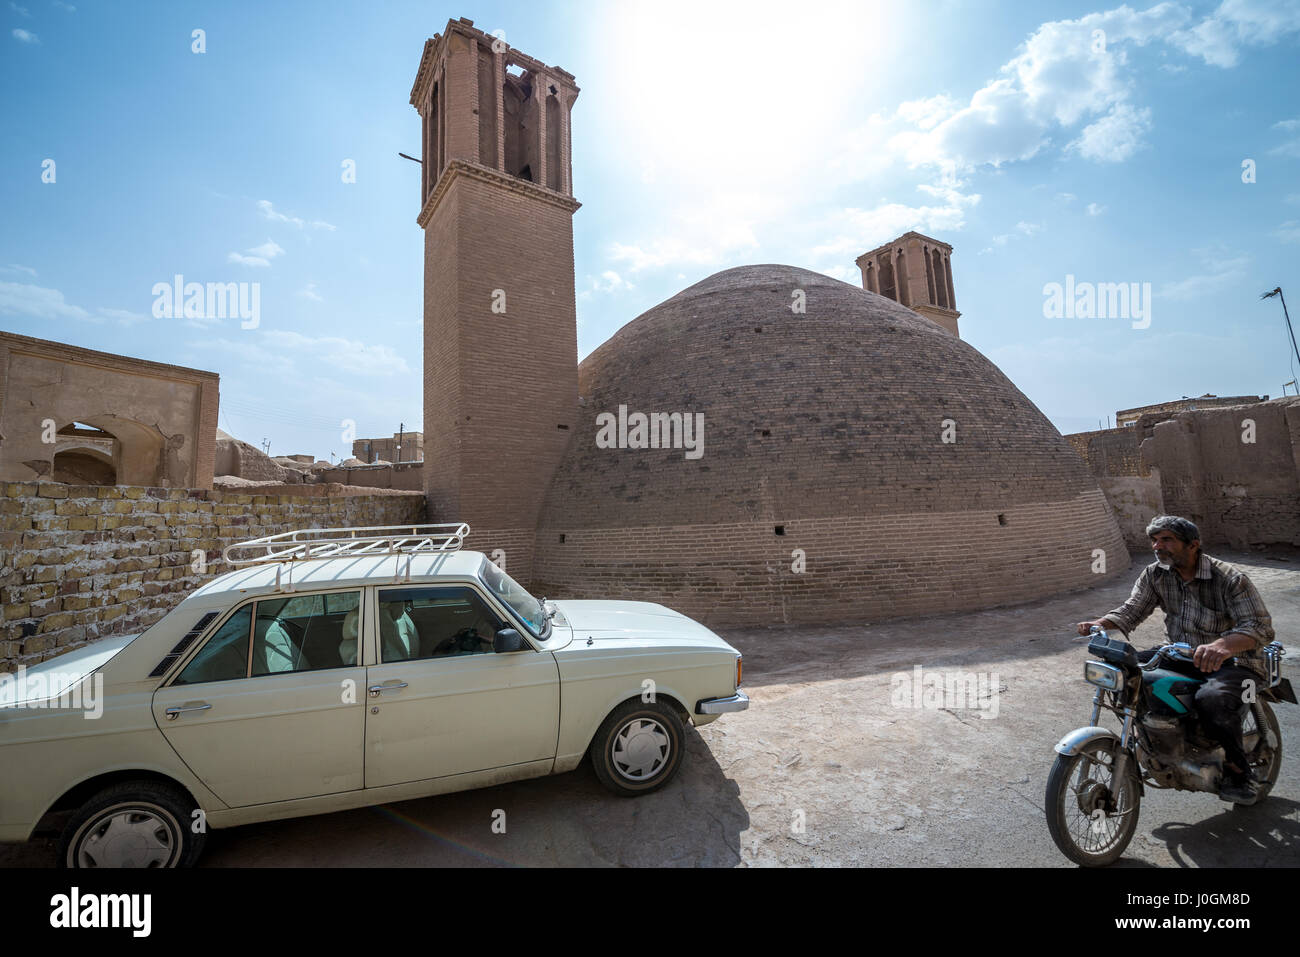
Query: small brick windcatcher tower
x=914 y=271
x=500 y=318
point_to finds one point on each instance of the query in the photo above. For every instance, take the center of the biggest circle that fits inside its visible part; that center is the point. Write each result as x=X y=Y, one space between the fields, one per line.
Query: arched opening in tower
x=941 y=286
x=553 y=129
x=520 y=110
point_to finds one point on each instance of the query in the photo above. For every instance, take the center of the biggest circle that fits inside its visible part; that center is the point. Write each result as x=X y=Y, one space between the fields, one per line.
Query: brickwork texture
x=82 y=562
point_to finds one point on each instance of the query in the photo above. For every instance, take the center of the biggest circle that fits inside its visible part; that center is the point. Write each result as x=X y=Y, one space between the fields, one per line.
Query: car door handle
x=377 y=690
x=173 y=713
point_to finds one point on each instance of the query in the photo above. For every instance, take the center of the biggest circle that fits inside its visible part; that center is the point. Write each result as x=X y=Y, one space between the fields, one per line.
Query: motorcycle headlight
x=1103 y=675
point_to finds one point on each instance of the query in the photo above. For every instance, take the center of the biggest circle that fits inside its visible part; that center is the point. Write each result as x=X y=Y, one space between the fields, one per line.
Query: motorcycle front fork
x=1120 y=767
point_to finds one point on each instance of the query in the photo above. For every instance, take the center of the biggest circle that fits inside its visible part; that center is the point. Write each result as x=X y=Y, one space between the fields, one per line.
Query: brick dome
x=822 y=447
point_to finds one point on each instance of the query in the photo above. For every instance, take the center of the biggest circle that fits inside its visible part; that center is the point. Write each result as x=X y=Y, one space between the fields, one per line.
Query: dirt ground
x=830 y=766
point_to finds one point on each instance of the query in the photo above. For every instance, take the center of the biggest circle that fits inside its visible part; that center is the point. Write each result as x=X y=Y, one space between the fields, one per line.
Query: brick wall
x=81 y=562
x=1111 y=451
x=856 y=567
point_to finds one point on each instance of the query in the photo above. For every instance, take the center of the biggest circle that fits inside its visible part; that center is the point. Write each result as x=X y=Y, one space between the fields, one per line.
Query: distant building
x=1129 y=417
x=386 y=450
x=82 y=417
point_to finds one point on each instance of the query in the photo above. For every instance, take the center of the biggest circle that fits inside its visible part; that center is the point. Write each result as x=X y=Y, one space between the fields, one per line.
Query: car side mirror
x=506 y=641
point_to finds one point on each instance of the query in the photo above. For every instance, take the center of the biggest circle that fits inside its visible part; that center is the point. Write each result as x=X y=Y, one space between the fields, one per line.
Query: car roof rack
x=319 y=544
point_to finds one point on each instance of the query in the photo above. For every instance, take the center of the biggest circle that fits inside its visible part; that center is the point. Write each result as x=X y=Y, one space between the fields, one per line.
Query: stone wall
x=81 y=562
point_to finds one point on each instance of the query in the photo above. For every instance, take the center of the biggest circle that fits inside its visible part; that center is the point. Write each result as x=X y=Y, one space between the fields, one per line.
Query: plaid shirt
x=1219 y=601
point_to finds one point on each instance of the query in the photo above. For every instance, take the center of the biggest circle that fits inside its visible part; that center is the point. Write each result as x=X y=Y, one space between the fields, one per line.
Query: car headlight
x=740 y=659
x=1103 y=675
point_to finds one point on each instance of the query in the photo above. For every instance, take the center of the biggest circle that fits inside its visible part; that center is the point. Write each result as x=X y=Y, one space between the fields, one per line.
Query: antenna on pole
x=411 y=158
x=1278 y=292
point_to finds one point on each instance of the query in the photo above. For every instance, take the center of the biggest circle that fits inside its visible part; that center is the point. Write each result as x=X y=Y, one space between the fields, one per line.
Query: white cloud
x=608 y=282
x=15 y=268
x=23 y=36
x=854 y=231
x=1219 y=38
x=247 y=260
x=849 y=274
x=1029 y=229
x=338 y=354
x=1077 y=71
x=1116 y=136
x=21 y=11
x=271 y=213
x=37 y=302
x=258 y=256
x=928 y=113
x=268 y=250
x=1218 y=270
x=64 y=6
x=309 y=292
x=1288 y=232
x=1292 y=146
x=1095 y=210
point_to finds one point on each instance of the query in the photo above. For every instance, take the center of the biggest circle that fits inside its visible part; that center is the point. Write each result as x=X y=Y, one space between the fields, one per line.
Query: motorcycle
x=1099 y=777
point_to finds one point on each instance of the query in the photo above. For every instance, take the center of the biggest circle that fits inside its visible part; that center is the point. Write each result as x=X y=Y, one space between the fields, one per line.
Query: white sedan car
x=335 y=669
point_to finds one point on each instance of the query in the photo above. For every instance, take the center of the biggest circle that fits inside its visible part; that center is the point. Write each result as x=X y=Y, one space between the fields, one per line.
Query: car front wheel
x=638 y=748
x=135 y=824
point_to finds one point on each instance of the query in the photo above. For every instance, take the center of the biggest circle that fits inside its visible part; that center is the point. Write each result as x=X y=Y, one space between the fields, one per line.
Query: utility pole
x=1278 y=292
x=401 y=433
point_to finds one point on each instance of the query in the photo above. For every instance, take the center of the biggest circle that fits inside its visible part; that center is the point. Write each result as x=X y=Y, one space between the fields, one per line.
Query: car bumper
x=737 y=702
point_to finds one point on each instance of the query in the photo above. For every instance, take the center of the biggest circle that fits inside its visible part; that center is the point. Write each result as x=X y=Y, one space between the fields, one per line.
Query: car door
x=441 y=701
x=272 y=707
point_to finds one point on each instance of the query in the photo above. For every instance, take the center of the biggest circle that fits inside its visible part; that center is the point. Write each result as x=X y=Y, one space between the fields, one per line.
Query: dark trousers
x=1220 y=704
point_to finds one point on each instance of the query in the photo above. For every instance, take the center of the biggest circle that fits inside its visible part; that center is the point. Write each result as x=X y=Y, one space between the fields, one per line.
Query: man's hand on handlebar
x=1086 y=627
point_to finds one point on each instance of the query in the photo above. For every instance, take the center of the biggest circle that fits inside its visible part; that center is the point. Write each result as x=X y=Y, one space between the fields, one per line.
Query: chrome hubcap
x=641 y=749
x=131 y=837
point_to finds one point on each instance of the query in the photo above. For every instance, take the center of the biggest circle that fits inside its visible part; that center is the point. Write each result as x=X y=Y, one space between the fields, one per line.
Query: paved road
x=830 y=766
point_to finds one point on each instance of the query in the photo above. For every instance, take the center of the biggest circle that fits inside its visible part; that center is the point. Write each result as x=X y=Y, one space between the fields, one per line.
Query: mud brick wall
x=1131 y=486
x=1242 y=494
x=1113 y=452
x=78 y=563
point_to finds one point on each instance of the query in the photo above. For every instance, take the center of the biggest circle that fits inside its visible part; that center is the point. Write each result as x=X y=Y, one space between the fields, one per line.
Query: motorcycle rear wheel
x=1265 y=755
x=1090 y=822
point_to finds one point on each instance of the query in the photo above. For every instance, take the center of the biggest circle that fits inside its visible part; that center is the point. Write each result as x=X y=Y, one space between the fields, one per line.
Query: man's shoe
x=1239 y=788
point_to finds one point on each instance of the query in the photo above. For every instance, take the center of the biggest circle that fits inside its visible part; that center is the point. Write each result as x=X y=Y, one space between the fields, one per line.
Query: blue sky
x=707 y=135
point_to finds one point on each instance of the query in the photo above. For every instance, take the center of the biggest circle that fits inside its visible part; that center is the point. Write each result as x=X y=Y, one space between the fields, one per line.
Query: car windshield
x=513 y=594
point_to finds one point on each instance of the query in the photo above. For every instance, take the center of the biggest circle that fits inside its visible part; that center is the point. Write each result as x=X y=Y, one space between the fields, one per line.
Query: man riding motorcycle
x=1214 y=607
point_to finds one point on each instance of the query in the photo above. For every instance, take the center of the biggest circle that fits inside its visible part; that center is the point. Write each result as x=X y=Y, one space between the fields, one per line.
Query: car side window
x=435 y=622
x=305 y=633
x=225 y=656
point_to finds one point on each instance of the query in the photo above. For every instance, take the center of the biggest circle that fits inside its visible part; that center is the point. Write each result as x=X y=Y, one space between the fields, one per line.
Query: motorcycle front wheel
x=1089 y=817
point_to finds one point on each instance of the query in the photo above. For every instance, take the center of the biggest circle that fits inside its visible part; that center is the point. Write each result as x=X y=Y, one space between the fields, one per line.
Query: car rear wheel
x=638 y=748
x=135 y=824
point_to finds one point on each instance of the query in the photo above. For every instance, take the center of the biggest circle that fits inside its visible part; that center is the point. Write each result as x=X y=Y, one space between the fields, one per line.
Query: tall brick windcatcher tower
x=914 y=271
x=500 y=319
